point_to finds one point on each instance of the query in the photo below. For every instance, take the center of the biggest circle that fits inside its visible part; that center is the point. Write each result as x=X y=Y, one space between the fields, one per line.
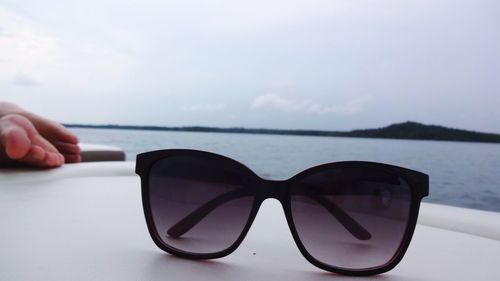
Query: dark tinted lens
x=199 y=205
x=351 y=218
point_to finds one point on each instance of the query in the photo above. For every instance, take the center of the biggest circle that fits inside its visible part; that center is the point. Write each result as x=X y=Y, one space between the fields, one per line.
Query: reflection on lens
x=198 y=205
x=377 y=200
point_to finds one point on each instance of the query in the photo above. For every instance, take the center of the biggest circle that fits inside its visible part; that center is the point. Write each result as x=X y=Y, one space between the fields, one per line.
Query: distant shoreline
x=407 y=130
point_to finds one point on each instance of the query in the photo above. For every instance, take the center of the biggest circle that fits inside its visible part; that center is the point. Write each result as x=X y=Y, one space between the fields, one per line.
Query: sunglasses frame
x=280 y=190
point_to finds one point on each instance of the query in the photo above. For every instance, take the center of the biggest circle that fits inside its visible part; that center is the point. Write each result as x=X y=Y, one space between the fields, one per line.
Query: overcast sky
x=329 y=64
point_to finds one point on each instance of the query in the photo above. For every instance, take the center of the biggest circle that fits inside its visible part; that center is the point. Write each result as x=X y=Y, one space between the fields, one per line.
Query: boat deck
x=85 y=222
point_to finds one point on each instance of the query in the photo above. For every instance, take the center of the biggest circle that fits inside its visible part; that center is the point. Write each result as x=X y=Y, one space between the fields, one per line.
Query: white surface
x=476 y=222
x=85 y=222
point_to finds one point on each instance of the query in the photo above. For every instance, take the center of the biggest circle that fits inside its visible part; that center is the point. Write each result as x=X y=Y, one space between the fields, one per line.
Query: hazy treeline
x=406 y=130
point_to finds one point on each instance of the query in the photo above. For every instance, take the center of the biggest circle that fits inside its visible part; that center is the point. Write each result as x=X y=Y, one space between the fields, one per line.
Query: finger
x=35 y=157
x=54 y=159
x=15 y=142
x=62 y=134
x=40 y=157
x=37 y=153
x=52 y=130
x=45 y=144
x=67 y=148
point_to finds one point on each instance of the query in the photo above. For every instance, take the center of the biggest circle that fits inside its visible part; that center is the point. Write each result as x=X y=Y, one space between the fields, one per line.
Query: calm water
x=462 y=174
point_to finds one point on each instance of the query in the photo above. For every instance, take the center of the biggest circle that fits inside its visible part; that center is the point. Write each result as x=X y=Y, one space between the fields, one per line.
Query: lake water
x=461 y=174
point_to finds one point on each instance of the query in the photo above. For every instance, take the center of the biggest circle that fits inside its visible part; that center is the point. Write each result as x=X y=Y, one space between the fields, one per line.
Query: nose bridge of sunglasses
x=271 y=189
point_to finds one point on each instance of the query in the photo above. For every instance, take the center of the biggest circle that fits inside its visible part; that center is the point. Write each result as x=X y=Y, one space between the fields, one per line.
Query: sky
x=289 y=64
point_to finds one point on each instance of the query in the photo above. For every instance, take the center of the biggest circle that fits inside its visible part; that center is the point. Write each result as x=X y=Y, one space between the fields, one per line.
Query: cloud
x=61 y=63
x=284 y=104
x=24 y=81
x=204 y=107
x=22 y=45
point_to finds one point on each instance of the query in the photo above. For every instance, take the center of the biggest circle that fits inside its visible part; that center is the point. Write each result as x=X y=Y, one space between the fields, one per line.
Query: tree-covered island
x=406 y=130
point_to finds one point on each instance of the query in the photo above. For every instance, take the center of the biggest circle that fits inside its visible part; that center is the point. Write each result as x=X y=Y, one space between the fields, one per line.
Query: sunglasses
x=352 y=218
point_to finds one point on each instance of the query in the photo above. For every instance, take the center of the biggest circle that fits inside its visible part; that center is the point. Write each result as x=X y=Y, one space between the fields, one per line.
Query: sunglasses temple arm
x=197 y=215
x=345 y=219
